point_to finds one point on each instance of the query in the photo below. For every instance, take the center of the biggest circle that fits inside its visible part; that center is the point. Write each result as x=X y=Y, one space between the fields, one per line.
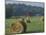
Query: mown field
x=36 y=25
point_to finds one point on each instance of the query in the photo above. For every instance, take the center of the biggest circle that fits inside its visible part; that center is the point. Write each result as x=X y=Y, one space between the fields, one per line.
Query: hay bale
x=18 y=27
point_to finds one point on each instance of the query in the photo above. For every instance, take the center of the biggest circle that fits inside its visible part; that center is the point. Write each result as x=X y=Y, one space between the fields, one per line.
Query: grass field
x=35 y=26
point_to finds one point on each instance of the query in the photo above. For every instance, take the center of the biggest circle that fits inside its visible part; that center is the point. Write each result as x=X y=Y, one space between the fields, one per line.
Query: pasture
x=35 y=26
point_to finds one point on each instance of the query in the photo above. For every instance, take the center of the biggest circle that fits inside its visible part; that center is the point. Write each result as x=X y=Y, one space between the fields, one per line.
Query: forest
x=23 y=10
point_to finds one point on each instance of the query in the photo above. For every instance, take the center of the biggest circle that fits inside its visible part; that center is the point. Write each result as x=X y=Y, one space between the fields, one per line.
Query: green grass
x=35 y=26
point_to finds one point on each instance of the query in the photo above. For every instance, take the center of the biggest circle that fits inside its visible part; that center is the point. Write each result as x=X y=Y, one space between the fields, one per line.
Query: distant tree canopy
x=22 y=9
x=8 y=11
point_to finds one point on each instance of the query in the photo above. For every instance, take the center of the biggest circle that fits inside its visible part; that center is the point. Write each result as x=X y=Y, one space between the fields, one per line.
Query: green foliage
x=22 y=9
x=35 y=26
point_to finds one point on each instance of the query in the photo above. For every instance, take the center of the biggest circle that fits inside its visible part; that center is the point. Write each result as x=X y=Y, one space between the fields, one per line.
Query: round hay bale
x=42 y=18
x=28 y=20
x=18 y=27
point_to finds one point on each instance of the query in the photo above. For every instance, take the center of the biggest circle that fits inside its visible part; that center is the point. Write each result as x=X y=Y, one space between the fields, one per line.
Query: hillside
x=23 y=9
